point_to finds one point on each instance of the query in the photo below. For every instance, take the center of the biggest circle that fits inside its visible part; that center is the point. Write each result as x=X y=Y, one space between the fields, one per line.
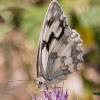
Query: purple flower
x=55 y=95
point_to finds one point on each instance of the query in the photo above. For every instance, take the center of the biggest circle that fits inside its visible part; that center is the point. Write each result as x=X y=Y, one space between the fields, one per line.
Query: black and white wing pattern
x=59 y=50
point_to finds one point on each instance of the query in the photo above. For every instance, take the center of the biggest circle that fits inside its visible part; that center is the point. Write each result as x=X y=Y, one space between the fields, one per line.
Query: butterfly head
x=40 y=82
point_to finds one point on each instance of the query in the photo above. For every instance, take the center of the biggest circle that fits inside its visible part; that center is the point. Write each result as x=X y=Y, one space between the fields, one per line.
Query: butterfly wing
x=59 y=51
x=51 y=22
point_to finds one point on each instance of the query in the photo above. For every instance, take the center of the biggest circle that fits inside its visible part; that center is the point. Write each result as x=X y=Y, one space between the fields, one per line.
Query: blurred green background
x=20 y=26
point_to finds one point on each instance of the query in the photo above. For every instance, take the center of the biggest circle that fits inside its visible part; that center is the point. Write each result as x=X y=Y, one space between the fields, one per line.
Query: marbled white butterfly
x=59 y=50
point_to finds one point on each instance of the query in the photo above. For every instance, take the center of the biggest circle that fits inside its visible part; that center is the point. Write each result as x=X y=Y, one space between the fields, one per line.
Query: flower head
x=55 y=95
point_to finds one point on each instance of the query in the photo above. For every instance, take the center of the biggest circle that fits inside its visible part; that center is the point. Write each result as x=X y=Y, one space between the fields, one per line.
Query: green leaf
x=97 y=93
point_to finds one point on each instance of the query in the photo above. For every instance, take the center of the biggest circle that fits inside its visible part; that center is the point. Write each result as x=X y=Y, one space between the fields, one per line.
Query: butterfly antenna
x=6 y=82
x=14 y=81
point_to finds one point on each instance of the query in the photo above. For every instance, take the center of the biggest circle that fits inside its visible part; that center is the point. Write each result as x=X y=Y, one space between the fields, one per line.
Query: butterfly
x=59 y=50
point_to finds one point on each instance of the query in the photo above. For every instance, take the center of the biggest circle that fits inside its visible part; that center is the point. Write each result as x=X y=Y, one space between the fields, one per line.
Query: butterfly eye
x=40 y=83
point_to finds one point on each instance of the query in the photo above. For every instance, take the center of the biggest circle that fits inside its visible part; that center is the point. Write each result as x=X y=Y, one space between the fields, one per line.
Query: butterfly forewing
x=59 y=51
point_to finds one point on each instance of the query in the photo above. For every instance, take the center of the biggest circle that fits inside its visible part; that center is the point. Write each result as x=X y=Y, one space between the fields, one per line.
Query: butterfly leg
x=47 y=89
x=39 y=91
x=56 y=88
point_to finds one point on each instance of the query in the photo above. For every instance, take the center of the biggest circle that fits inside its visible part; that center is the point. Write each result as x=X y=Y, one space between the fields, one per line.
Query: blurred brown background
x=20 y=26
